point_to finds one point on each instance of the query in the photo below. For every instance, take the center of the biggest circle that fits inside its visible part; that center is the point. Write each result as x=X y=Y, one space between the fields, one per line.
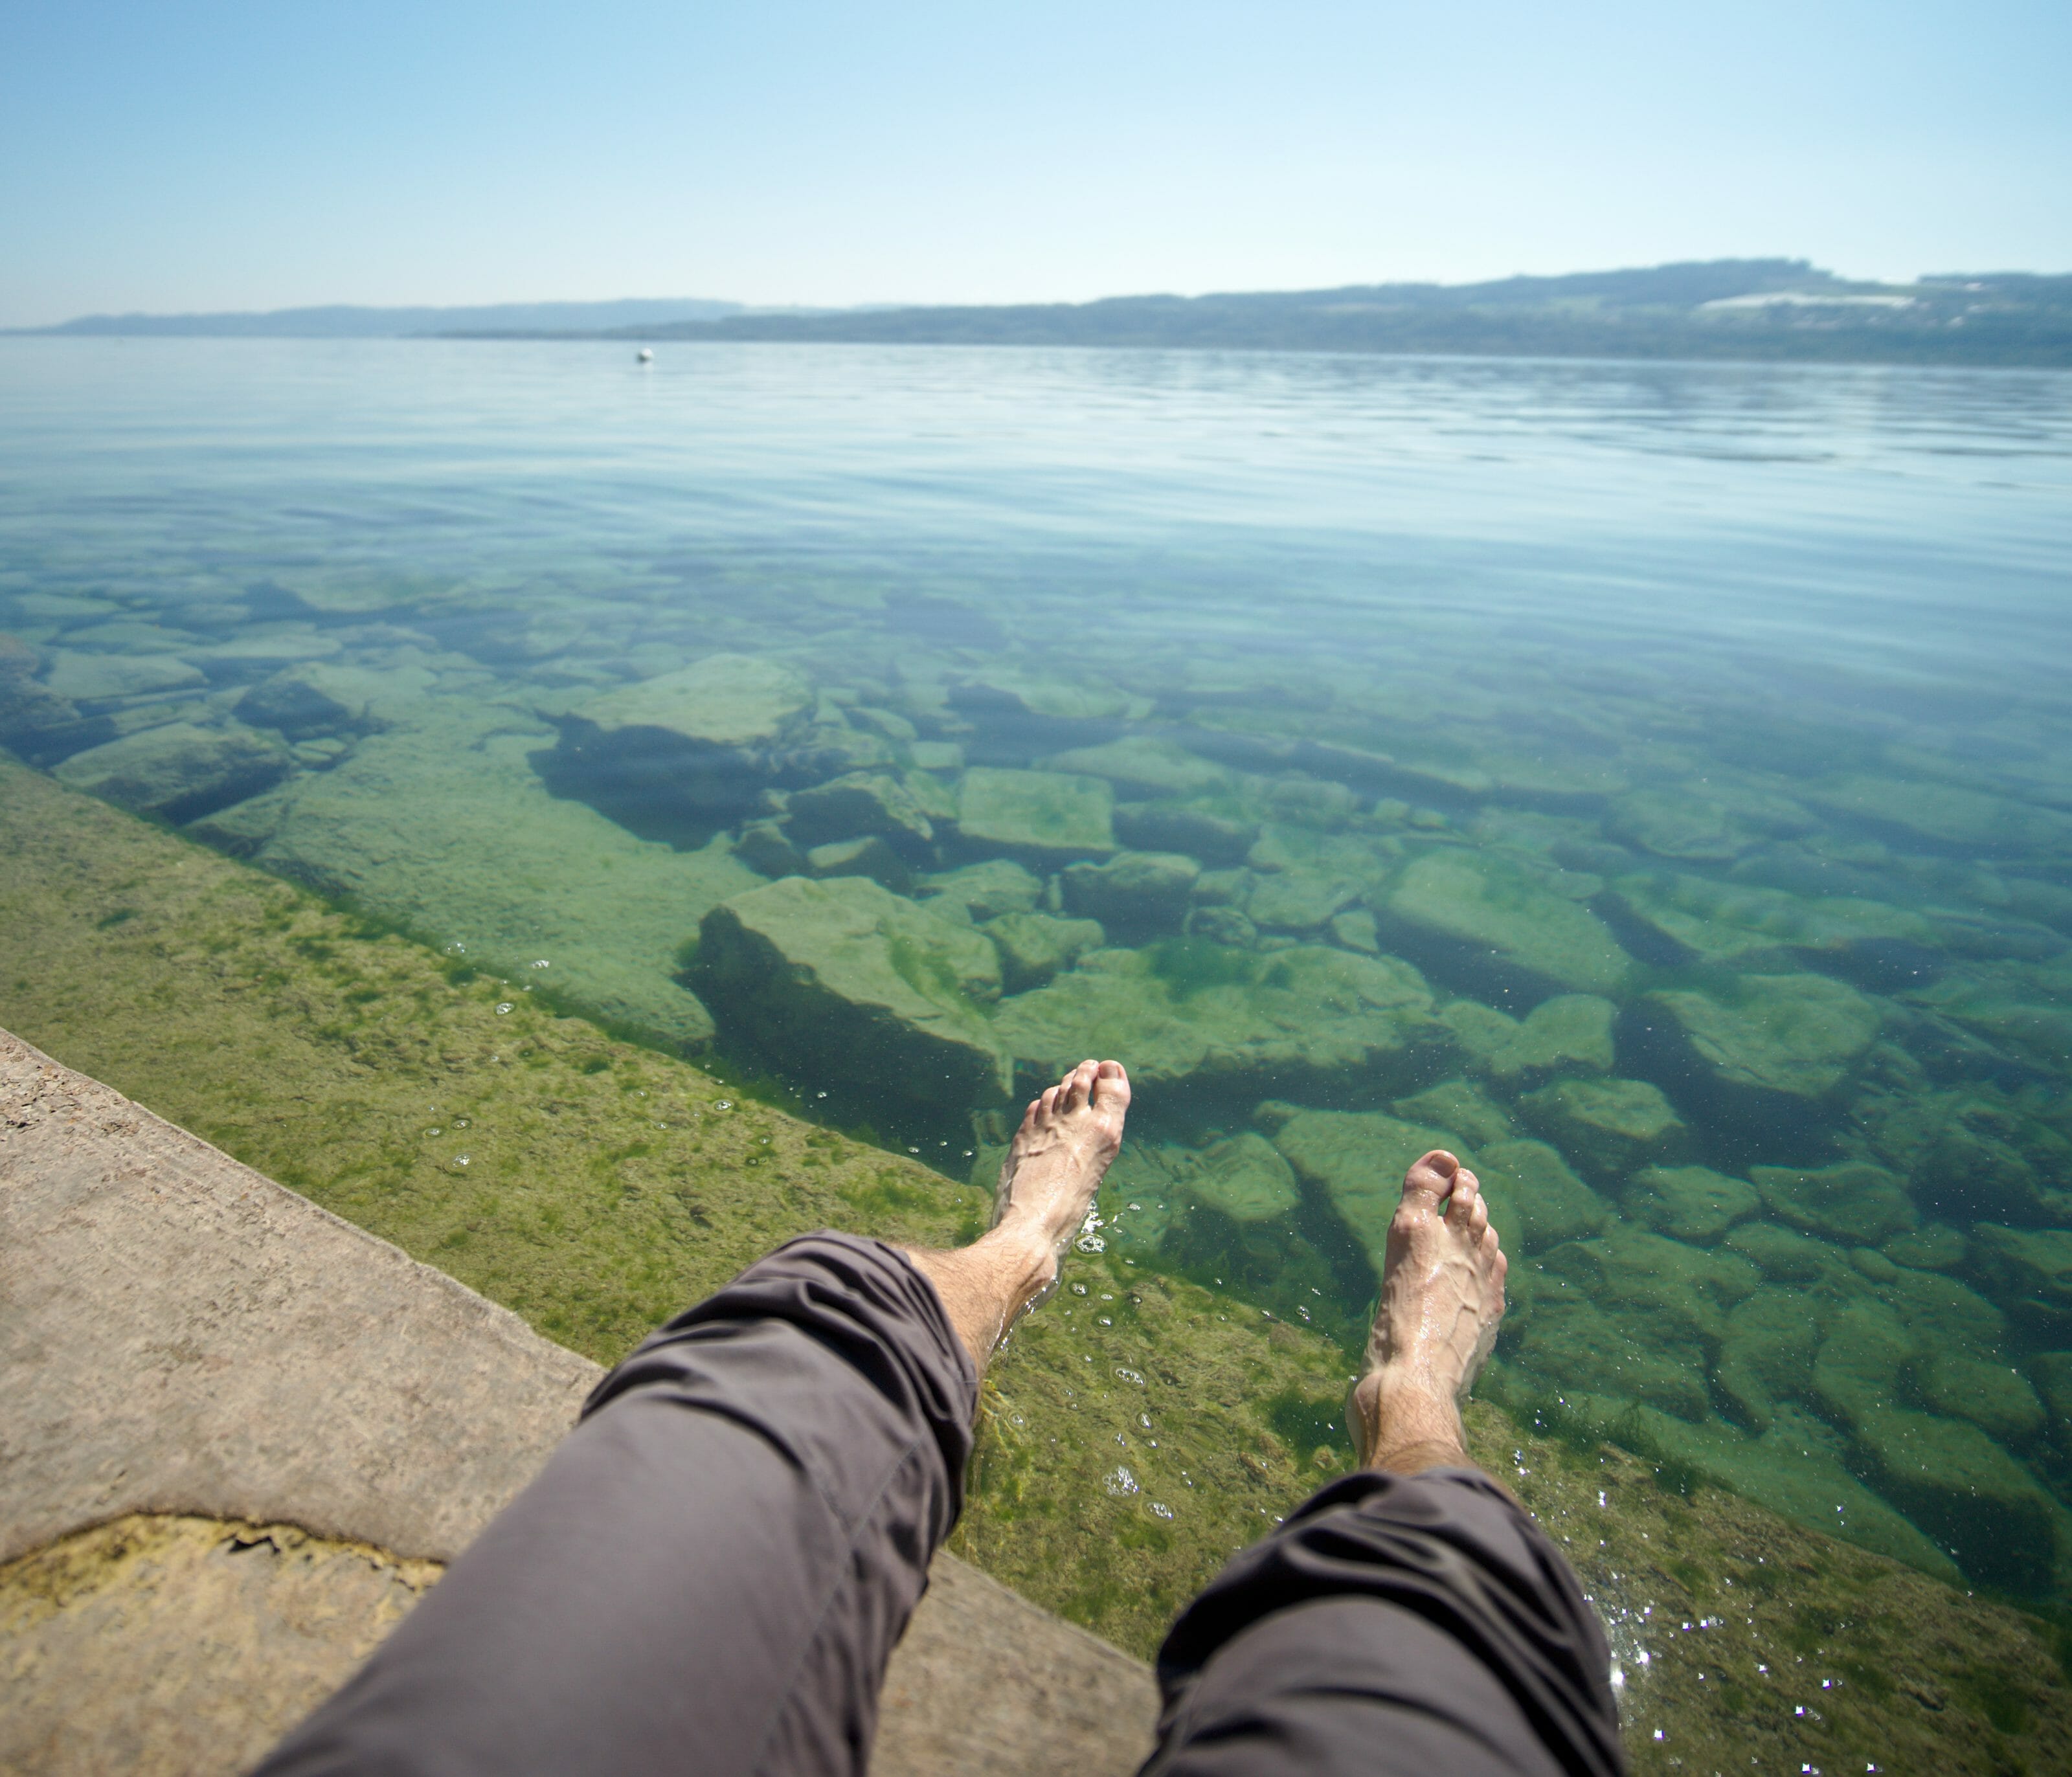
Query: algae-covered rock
x=1972 y=819
x=1959 y=1485
x=1571 y=1033
x=987 y=890
x=1212 y=836
x=1682 y=1291
x=1300 y=900
x=95 y=677
x=1690 y=1203
x=1132 y=890
x=1571 y=1345
x=847 y=979
x=1995 y=1396
x=1856 y=1204
x=1936 y=1246
x=1791 y=1469
x=1033 y=947
x=1181 y=1010
x=767 y=850
x=1796 y=1034
x=1038 y=815
x=1675 y=823
x=723 y=701
x=1244 y=1177
x=860 y=805
x=1225 y=926
x=1482 y=915
x=180 y=771
x=1461 y=1105
x=1716 y=921
x=1782 y=1255
x=29 y=709
x=1535 y=1200
x=295 y=707
x=1766 y=1349
x=1144 y=765
x=2030 y=1271
x=869 y=856
x=1609 y=1126
x=1357 y=1158
x=1357 y=931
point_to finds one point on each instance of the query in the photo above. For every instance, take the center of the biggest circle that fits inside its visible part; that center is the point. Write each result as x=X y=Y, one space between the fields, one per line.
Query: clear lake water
x=1653 y=782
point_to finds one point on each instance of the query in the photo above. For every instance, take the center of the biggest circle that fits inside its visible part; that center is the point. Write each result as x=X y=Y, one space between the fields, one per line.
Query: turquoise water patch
x=1652 y=782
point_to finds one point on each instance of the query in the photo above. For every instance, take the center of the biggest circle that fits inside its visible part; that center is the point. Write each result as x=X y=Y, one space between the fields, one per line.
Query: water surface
x=1651 y=781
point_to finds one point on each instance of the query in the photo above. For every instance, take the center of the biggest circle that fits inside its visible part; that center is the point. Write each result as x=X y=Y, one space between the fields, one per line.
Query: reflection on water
x=1650 y=782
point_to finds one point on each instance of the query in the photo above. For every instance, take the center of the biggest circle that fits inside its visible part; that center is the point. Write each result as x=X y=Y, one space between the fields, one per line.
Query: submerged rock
x=30 y=711
x=1681 y=1292
x=95 y=677
x=1184 y=1011
x=1212 y=836
x=1569 y=1034
x=1245 y=1178
x=1716 y=921
x=1610 y=1126
x=860 y=805
x=1970 y=818
x=1144 y=765
x=1299 y=899
x=1357 y=1158
x=180 y=771
x=1690 y=1203
x=1573 y=1345
x=1133 y=891
x=847 y=980
x=987 y=890
x=1460 y=1105
x=1479 y=916
x=296 y=707
x=2030 y=1271
x=1035 y=947
x=1038 y=815
x=766 y=848
x=869 y=856
x=1855 y=1204
x=1535 y=1201
x=723 y=701
x=1793 y=1035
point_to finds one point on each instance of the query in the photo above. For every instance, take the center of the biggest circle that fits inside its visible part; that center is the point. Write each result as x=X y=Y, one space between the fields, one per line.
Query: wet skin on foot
x=1067 y=1139
x=1441 y=1303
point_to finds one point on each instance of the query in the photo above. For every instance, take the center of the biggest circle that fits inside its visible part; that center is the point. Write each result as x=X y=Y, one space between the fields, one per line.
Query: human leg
x=712 y=1570
x=1411 y=1617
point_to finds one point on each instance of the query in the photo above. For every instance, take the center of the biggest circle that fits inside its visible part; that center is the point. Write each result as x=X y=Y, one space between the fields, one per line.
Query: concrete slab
x=200 y=1365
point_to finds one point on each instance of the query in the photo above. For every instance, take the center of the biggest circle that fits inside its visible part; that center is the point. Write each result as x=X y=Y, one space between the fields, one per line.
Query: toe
x=1047 y=1106
x=1075 y=1088
x=1110 y=1088
x=1430 y=1178
x=1465 y=1197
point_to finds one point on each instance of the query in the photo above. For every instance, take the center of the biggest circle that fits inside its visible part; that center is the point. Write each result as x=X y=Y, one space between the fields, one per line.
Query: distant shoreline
x=1762 y=311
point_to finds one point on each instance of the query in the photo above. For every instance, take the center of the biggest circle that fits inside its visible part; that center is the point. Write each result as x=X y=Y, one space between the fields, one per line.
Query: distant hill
x=340 y=321
x=1760 y=308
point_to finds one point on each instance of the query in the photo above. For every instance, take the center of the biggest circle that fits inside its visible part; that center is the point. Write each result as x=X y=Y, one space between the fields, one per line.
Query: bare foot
x=1442 y=1302
x=1066 y=1139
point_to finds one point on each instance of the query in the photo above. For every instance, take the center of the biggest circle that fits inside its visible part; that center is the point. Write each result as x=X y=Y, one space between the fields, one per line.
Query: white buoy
x=647 y=357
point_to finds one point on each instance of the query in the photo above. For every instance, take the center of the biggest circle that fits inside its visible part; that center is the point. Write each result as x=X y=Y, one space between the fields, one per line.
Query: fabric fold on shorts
x=1393 y=1619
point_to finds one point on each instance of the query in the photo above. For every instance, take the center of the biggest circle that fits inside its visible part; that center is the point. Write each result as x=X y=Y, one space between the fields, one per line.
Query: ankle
x=1408 y=1425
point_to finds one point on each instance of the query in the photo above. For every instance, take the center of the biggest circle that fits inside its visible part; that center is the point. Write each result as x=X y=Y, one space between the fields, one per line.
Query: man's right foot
x=1055 y=1161
x=1442 y=1302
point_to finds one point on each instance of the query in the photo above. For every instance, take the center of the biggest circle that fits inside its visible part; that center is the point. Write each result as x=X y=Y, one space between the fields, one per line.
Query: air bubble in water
x=503 y=1005
x=1131 y=1376
x=460 y=1159
x=1160 y=1511
x=542 y=964
x=1120 y=1484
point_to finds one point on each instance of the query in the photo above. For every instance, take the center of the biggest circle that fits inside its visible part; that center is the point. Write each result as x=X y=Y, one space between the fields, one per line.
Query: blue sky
x=166 y=155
